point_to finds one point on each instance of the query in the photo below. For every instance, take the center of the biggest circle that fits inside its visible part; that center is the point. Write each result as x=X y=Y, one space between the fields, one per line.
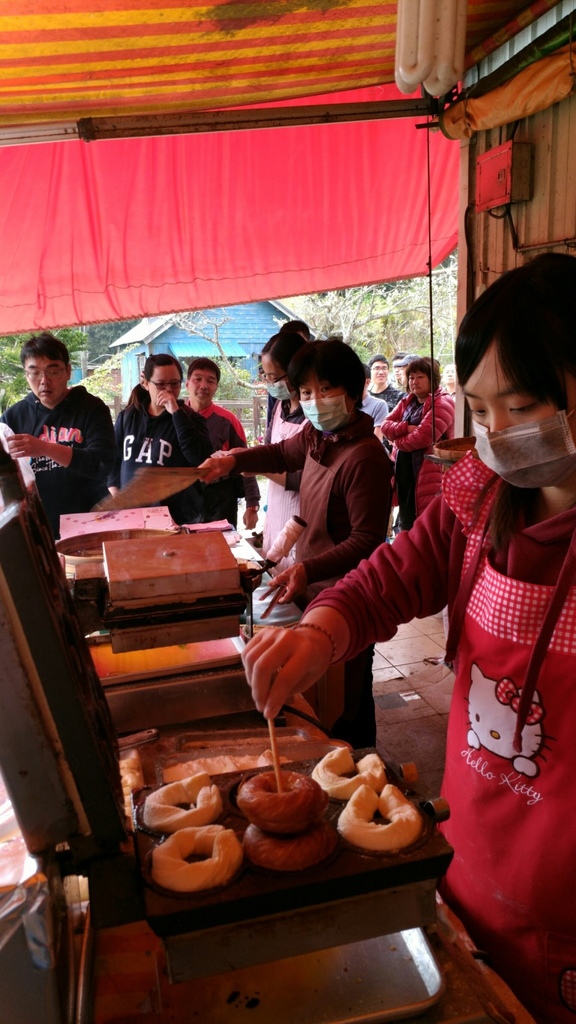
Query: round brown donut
x=290 y=853
x=301 y=803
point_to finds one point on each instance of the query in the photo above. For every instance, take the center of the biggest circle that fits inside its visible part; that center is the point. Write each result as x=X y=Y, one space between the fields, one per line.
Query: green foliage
x=13 y=384
x=101 y=336
x=234 y=383
x=389 y=317
x=105 y=380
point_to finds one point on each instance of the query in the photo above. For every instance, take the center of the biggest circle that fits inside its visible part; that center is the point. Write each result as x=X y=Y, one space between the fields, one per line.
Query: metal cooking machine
x=63 y=733
x=161 y=613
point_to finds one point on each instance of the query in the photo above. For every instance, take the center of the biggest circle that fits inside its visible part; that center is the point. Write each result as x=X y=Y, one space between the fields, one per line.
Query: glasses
x=51 y=373
x=270 y=378
x=166 y=385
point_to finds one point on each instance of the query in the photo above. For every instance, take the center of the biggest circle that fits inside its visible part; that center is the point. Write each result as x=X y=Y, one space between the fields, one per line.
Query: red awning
x=125 y=228
x=119 y=229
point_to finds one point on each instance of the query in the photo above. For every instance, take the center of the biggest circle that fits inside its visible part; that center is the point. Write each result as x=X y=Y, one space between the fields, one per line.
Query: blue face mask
x=326 y=414
x=279 y=390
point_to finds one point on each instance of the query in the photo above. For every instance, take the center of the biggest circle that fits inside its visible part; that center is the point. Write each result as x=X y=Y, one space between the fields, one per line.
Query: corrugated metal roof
x=202 y=347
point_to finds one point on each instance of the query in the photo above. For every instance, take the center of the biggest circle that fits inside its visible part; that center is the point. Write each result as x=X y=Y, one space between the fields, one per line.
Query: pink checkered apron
x=511 y=787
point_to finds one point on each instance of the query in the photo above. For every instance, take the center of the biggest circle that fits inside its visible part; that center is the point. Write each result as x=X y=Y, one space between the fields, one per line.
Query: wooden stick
x=275 y=756
x=279 y=593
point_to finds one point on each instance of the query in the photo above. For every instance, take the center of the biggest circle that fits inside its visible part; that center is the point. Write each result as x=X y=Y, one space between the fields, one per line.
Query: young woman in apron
x=287 y=419
x=499 y=546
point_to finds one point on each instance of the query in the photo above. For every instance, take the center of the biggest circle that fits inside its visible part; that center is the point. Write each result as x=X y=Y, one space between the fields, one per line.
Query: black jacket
x=166 y=440
x=83 y=422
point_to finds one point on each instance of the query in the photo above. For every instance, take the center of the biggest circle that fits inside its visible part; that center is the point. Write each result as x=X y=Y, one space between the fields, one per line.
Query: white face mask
x=326 y=414
x=279 y=390
x=537 y=454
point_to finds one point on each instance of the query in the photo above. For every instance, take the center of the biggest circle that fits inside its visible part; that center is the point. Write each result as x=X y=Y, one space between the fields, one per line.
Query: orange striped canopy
x=68 y=59
x=138 y=226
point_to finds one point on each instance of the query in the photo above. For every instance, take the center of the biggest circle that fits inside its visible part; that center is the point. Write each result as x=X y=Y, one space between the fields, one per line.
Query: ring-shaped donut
x=290 y=853
x=332 y=771
x=298 y=806
x=219 y=845
x=355 y=823
x=162 y=811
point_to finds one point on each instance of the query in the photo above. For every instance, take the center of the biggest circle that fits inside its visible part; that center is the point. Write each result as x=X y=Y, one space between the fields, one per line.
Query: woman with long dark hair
x=157 y=429
x=286 y=419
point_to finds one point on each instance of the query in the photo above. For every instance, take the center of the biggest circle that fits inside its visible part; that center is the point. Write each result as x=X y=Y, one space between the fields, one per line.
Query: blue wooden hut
x=242 y=332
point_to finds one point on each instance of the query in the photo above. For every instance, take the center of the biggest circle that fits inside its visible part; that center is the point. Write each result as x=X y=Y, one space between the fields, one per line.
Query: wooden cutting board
x=185 y=566
x=150 y=485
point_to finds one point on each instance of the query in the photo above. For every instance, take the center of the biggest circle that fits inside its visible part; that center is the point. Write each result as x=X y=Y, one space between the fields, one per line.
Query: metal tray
x=391 y=977
x=237 y=734
x=258 y=893
x=293 y=744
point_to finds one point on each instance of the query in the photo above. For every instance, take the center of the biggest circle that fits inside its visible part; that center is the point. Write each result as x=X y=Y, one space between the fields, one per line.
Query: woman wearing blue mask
x=499 y=546
x=345 y=497
x=286 y=420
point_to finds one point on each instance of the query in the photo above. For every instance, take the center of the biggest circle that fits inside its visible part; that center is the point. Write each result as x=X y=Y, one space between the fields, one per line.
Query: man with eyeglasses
x=66 y=433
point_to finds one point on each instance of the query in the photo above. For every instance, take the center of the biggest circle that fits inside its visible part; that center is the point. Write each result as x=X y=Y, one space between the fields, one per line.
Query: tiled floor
x=412 y=693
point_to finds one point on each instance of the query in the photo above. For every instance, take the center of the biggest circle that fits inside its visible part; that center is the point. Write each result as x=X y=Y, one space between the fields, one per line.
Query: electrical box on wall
x=504 y=175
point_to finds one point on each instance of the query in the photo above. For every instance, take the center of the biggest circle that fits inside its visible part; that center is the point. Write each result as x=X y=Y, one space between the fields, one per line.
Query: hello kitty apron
x=510 y=787
x=281 y=504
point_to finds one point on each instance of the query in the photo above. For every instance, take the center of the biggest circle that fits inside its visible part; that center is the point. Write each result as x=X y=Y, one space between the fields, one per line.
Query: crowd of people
x=66 y=442
x=343 y=443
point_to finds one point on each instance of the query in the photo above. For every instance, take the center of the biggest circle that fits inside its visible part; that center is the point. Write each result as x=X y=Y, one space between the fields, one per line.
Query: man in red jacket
x=220 y=500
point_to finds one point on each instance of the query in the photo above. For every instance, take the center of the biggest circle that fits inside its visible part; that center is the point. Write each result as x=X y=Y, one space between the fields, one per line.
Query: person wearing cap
x=380 y=385
x=398 y=370
x=373 y=407
x=400 y=363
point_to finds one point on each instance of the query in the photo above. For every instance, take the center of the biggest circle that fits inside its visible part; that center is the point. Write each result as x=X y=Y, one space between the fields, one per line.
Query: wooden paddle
x=149 y=486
